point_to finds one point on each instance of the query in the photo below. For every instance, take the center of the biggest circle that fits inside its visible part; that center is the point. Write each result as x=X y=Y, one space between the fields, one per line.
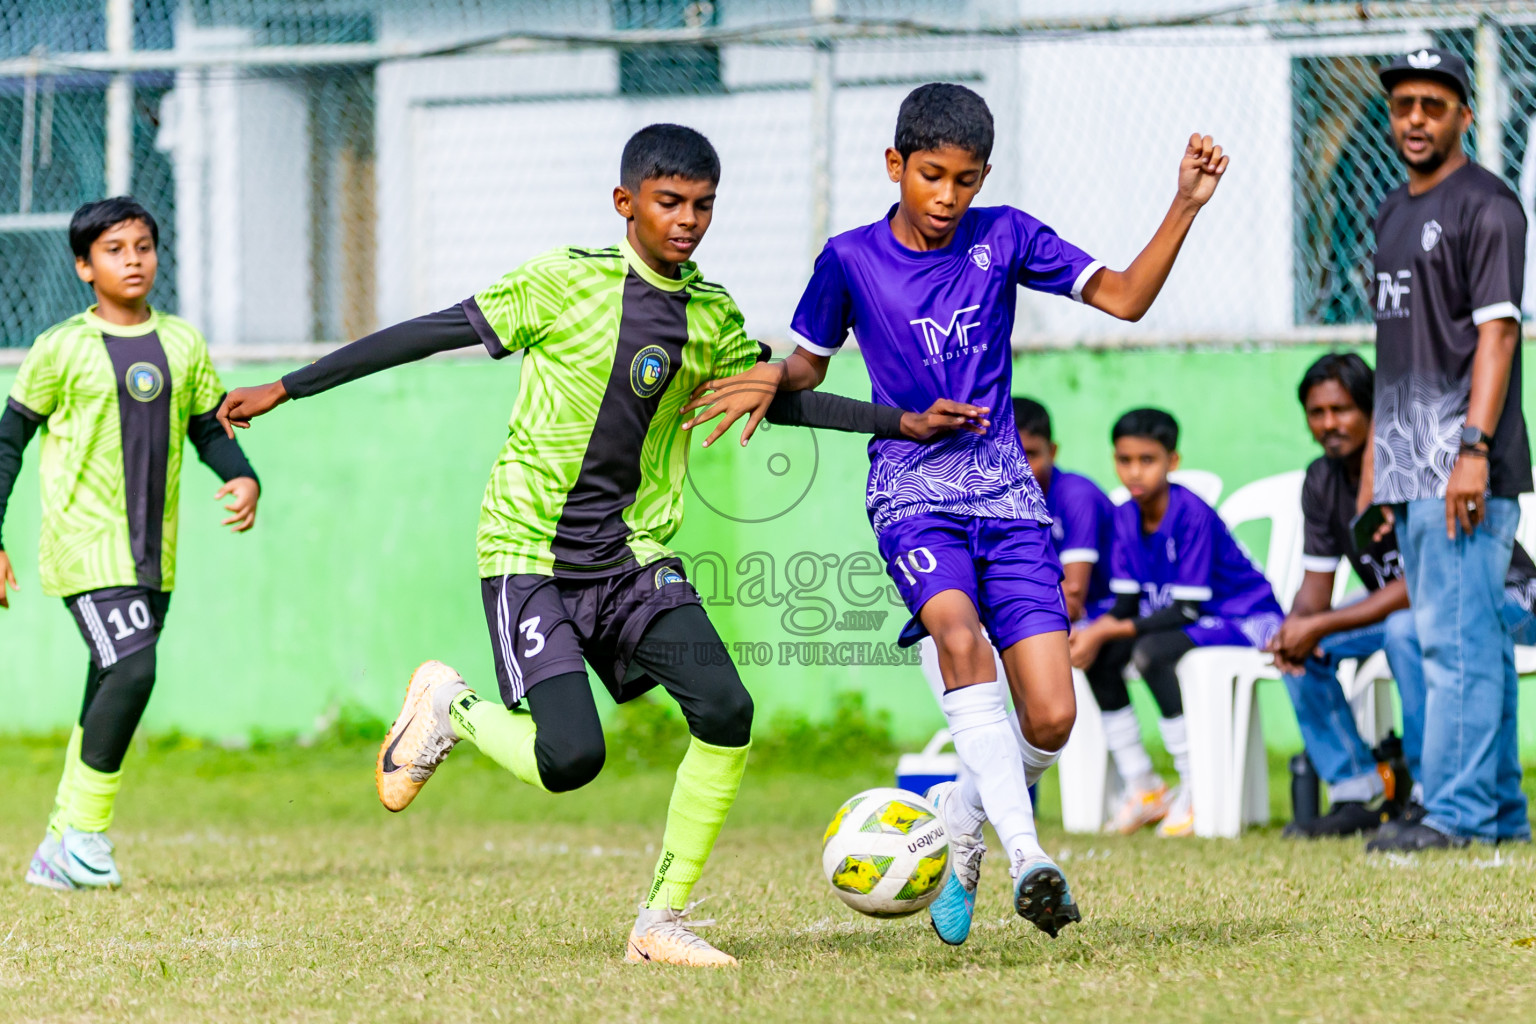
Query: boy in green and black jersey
x=115 y=391
x=587 y=492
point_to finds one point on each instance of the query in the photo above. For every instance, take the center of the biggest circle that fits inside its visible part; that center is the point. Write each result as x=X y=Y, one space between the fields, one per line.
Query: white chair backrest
x=1278 y=499
x=1525 y=533
x=1206 y=485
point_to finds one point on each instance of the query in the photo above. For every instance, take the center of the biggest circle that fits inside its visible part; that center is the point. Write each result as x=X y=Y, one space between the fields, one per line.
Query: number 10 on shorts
x=917 y=560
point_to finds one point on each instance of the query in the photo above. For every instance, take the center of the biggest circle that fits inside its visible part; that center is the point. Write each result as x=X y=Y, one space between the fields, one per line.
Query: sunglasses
x=1434 y=107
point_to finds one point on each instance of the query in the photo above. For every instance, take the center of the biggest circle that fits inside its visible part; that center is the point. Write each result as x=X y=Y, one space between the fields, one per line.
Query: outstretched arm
x=403 y=343
x=836 y=412
x=16 y=431
x=1129 y=293
x=750 y=393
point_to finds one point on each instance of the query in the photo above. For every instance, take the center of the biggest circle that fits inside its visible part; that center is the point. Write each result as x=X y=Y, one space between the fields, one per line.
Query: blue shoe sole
x=1042 y=898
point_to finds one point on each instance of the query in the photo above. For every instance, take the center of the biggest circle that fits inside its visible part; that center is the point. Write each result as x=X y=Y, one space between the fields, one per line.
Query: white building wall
x=484 y=162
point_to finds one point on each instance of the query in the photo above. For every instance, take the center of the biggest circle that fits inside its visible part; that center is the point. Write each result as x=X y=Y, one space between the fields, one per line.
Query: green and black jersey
x=115 y=405
x=590 y=479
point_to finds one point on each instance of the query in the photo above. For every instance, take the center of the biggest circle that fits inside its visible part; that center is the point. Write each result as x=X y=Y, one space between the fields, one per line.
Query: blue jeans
x=1342 y=758
x=1471 y=757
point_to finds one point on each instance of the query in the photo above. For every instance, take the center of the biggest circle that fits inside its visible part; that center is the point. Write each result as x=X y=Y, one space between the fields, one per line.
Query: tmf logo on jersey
x=937 y=337
x=1392 y=290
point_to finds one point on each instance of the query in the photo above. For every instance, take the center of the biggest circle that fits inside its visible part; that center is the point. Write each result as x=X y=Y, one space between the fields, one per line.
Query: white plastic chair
x=1206 y=485
x=1229 y=769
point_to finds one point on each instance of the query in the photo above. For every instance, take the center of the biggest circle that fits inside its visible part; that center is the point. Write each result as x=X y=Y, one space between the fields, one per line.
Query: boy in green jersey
x=581 y=503
x=115 y=392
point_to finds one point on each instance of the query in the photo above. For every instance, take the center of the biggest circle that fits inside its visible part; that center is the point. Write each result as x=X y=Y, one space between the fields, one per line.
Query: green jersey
x=590 y=479
x=113 y=402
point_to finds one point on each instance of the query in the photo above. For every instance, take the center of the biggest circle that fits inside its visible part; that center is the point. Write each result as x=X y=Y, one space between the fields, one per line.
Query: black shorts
x=543 y=626
x=119 y=621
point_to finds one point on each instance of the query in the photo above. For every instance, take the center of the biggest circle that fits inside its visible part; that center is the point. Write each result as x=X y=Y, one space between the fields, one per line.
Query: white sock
x=966 y=814
x=1122 y=734
x=978 y=721
x=1036 y=761
x=1176 y=740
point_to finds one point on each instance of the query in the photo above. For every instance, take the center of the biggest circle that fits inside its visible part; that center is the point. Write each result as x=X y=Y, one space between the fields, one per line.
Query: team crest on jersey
x=648 y=371
x=666 y=574
x=981 y=255
x=145 y=381
x=1430 y=235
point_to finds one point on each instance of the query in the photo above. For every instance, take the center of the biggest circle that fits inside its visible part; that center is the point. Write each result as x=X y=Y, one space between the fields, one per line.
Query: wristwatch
x=1471 y=437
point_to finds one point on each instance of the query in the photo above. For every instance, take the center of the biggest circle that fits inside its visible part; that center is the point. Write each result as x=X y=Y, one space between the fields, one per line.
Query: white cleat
x=47 y=867
x=87 y=859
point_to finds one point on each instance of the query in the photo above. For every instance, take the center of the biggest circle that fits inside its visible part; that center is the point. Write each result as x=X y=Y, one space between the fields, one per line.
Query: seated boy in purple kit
x=1181 y=581
x=1082 y=516
x=930 y=291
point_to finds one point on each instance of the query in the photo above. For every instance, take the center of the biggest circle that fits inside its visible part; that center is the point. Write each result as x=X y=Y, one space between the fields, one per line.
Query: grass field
x=269 y=885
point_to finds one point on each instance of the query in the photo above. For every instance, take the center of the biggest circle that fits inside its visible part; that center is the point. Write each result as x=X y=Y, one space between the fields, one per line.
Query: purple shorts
x=1007 y=567
x=1254 y=631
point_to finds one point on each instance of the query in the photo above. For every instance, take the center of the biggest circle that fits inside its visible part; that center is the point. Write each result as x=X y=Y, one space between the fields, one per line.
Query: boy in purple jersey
x=1082 y=516
x=929 y=290
x=1181 y=581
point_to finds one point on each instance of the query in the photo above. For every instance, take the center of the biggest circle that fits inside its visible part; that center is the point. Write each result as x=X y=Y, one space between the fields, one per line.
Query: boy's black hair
x=93 y=220
x=1153 y=424
x=940 y=114
x=1030 y=417
x=1353 y=374
x=666 y=151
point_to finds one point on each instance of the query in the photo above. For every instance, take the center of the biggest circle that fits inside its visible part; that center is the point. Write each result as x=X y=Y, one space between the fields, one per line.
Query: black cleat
x=1412 y=838
x=1412 y=815
x=1347 y=818
x=1042 y=897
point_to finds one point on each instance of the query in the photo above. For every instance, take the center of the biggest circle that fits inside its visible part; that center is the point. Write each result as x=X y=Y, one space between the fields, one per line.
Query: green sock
x=92 y=795
x=707 y=782
x=506 y=737
x=66 y=782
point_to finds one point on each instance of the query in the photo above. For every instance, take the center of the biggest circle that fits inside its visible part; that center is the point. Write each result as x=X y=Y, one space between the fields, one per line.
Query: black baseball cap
x=1431 y=62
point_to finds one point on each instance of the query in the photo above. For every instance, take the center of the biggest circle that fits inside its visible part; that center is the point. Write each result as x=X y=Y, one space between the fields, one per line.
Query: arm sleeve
x=1319 y=549
x=17 y=426
x=824 y=316
x=520 y=310
x=1496 y=260
x=1079 y=530
x=834 y=412
x=39 y=383
x=403 y=343
x=218 y=452
x=1048 y=263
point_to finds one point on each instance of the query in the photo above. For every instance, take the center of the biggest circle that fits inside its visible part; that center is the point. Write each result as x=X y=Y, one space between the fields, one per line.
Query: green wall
x=362 y=562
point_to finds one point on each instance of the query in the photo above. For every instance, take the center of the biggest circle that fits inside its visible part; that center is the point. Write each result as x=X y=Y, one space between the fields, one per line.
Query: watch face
x=1471 y=436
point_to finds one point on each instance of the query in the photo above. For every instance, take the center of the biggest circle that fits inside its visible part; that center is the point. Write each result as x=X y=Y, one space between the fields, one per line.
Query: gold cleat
x=1180 y=819
x=1141 y=807
x=421 y=737
x=664 y=936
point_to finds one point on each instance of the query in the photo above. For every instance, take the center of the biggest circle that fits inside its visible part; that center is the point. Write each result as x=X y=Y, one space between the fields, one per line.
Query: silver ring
x=1471 y=506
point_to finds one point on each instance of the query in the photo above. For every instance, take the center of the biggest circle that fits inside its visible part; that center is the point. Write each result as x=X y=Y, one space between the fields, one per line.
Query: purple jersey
x=934 y=325
x=1191 y=557
x=1082 y=528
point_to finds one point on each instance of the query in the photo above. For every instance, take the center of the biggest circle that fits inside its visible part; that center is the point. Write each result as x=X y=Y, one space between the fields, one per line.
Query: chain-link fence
x=319 y=167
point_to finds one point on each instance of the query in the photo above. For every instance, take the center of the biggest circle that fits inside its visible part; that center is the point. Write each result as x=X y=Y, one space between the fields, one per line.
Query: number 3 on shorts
x=530 y=629
x=917 y=560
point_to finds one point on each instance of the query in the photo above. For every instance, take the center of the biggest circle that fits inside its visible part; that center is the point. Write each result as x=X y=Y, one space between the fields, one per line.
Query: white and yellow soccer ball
x=886 y=853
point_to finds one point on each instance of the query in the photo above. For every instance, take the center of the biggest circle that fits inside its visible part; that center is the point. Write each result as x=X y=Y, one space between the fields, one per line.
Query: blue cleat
x=952 y=910
x=1042 y=897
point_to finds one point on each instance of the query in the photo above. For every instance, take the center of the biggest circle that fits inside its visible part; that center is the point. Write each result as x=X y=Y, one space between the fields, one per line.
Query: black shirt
x=1328 y=506
x=1446 y=261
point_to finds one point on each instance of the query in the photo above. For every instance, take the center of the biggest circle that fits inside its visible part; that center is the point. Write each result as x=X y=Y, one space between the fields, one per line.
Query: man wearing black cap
x=1451 y=455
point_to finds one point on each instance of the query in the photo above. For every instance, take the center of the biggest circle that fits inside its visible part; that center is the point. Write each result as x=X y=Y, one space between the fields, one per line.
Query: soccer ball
x=886 y=853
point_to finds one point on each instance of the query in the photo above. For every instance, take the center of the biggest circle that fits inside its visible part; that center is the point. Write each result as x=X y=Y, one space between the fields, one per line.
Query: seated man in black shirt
x=1337 y=393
